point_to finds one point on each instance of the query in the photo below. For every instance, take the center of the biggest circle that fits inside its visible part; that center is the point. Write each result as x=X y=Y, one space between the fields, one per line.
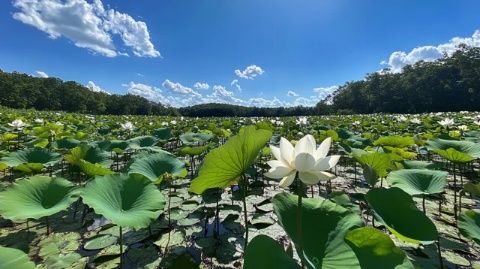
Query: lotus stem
x=121 y=246
x=245 y=213
x=455 y=193
x=47 y=223
x=299 y=220
x=423 y=204
x=439 y=253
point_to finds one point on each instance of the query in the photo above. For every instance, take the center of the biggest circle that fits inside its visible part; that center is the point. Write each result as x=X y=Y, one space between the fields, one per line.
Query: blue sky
x=285 y=52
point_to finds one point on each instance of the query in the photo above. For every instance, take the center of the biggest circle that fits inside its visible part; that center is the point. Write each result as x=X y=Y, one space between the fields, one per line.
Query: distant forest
x=448 y=84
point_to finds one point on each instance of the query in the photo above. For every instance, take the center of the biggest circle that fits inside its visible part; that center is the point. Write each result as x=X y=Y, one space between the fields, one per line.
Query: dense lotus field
x=360 y=191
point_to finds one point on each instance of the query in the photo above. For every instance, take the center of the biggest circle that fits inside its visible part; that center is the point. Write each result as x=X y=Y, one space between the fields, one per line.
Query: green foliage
x=130 y=201
x=418 y=181
x=469 y=225
x=401 y=216
x=264 y=252
x=11 y=258
x=155 y=166
x=396 y=141
x=374 y=249
x=31 y=160
x=224 y=165
x=36 y=197
x=324 y=226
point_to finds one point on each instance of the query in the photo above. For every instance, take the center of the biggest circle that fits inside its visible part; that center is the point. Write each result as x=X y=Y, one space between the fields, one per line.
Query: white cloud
x=95 y=88
x=179 y=88
x=221 y=91
x=292 y=94
x=201 y=86
x=399 y=59
x=149 y=92
x=250 y=72
x=87 y=25
x=236 y=85
x=41 y=74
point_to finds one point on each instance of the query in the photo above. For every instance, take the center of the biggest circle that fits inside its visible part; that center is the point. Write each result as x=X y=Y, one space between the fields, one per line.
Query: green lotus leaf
x=130 y=201
x=91 y=160
x=36 y=197
x=469 y=225
x=141 y=142
x=67 y=143
x=395 y=141
x=193 y=151
x=473 y=189
x=454 y=155
x=467 y=147
x=414 y=164
x=375 y=164
x=193 y=138
x=324 y=225
x=31 y=160
x=155 y=166
x=401 y=216
x=418 y=181
x=374 y=249
x=163 y=133
x=224 y=165
x=266 y=253
x=12 y=258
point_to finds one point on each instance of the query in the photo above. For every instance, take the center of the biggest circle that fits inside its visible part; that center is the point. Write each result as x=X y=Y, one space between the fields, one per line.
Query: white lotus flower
x=463 y=128
x=477 y=122
x=173 y=122
x=415 y=121
x=127 y=126
x=302 y=121
x=17 y=124
x=446 y=122
x=38 y=120
x=309 y=161
x=164 y=123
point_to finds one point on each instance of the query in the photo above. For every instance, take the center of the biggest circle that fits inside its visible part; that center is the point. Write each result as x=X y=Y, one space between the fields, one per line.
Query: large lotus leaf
x=193 y=138
x=163 y=133
x=67 y=143
x=473 y=189
x=374 y=249
x=265 y=252
x=454 y=155
x=324 y=225
x=46 y=130
x=12 y=258
x=141 y=142
x=31 y=159
x=469 y=225
x=375 y=164
x=36 y=197
x=90 y=154
x=414 y=164
x=110 y=145
x=395 y=141
x=224 y=165
x=397 y=210
x=187 y=150
x=127 y=200
x=154 y=166
x=418 y=181
x=466 y=147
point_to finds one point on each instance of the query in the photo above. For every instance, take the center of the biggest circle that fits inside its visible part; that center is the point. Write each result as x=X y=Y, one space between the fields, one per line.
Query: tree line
x=451 y=83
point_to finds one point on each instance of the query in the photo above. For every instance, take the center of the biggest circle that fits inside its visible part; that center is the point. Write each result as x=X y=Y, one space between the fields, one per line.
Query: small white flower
x=17 y=124
x=402 y=118
x=446 y=122
x=173 y=122
x=38 y=120
x=477 y=122
x=309 y=161
x=356 y=123
x=127 y=126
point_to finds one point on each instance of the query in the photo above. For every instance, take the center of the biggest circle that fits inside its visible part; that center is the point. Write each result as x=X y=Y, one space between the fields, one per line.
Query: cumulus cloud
x=149 y=92
x=41 y=74
x=179 y=88
x=399 y=59
x=235 y=84
x=250 y=72
x=221 y=91
x=201 y=86
x=87 y=25
x=95 y=88
x=292 y=94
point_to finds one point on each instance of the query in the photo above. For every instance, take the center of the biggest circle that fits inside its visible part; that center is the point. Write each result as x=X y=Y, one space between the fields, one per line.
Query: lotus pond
x=359 y=191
